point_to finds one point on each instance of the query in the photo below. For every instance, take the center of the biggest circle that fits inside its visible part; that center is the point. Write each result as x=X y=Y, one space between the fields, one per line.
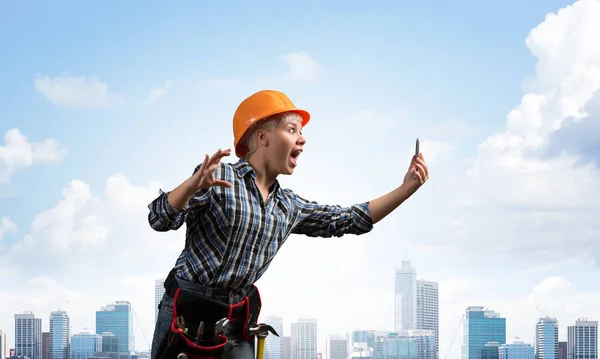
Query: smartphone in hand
x=417 y=148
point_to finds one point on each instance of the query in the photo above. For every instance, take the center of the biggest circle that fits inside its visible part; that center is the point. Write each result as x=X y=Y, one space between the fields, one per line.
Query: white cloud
x=302 y=67
x=76 y=92
x=6 y=226
x=156 y=94
x=567 y=76
x=100 y=238
x=19 y=153
x=548 y=196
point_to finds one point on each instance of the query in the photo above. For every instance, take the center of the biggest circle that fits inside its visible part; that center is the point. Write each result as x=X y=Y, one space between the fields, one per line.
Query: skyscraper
x=46 y=345
x=582 y=339
x=546 y=338
x=117 y=318
x=428 y=309
x=336 y=347
x=273 y=344
x=28 y=335
x=3 y=346
x=562 y=350
x=60 y=335
x=480 y=327
x=159 y=290
x=303 y=339
x=405 y=297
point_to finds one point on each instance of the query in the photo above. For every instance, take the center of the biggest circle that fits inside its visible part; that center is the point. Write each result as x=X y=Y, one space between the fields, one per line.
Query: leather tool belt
x=195 y=331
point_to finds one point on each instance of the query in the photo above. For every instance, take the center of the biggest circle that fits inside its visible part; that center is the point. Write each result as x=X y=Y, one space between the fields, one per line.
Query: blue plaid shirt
x=232 y=235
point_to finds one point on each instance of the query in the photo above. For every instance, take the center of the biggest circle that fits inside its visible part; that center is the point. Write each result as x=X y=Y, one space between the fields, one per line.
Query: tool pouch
x=195 y=308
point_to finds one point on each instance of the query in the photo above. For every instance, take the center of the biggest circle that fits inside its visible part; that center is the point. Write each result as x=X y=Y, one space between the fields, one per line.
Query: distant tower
x=405 y=297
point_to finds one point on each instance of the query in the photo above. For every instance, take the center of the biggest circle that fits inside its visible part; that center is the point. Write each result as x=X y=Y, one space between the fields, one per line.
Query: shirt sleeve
x=163 y=217
x=320 y=220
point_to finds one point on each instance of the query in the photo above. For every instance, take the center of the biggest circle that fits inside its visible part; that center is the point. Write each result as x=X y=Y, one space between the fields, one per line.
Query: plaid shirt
x=232 y=235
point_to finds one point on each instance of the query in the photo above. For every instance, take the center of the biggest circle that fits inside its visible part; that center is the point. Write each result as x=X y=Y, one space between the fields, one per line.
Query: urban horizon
x=416 y=322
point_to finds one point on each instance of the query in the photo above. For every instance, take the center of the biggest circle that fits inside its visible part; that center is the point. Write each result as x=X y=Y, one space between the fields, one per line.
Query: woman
x=238 y=216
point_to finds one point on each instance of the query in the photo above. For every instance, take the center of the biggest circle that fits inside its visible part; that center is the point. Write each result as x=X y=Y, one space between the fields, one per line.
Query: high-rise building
x=336 y=347
x=490 y=350
x=117 y=318
x=45 y=345
x=516 y=350
x=481 y=326
x=303 y=340
x=396 y=345
x=562 y=350
x=60 y=335
x=110 y=343
x=3 y=345
x=159 y=291
x=28 y=335
x=287 y=349
x=582 y=339
x=85 y=344
x=546 y=338
x=428 y=309
x=273 y=344
x=405 y=297
x=363 y=341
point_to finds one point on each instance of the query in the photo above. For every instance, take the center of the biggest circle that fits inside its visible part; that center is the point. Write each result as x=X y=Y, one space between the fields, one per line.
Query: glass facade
x=481 y=326
x=394 y=347
x=60 y=332
x=84 y=345
x=117 y=319
x=546 y=340
x=364 y=336
x=516 y=350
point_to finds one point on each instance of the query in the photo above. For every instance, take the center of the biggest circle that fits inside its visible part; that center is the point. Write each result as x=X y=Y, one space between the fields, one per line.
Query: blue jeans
x=242 y=348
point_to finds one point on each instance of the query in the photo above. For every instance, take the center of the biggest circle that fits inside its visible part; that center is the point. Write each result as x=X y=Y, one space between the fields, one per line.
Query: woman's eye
x=292 y=130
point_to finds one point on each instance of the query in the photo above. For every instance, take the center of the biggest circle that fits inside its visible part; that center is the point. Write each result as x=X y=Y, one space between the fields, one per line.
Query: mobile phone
x=417 y=148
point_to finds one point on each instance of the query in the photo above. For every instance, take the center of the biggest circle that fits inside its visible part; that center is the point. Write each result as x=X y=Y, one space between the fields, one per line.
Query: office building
x=117 y=318
x=481 y=326
x=405 y=297
x=60 y=335
x=28 y=335
x=546 y=338
x=303 y=339
x=582 y=339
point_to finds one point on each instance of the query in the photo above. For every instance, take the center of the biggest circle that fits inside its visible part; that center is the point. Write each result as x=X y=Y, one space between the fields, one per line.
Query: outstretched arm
x=318 y=220
x=417 y=174
x=169 y=210
x=321 y=220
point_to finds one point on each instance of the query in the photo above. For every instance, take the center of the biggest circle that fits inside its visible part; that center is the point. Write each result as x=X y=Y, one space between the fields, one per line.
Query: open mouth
x=294 y=156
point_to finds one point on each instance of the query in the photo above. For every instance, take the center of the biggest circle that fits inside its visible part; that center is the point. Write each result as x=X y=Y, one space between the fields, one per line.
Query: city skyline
x=545 y=344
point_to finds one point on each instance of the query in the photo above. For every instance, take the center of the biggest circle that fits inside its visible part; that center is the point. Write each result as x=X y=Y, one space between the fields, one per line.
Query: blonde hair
x=249 y=143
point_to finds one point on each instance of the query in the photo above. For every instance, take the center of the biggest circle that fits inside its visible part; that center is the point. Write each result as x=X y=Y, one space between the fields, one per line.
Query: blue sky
x=452 y=60
x=470 y=78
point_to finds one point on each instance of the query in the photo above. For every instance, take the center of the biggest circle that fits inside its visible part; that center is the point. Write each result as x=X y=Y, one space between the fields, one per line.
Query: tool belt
x=193 y=331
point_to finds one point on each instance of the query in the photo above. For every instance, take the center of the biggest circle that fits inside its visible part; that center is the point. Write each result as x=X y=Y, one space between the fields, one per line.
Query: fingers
x=217 y=156
x=204 y=164
x=222 y=183
x=422 y=167
x=419 y=177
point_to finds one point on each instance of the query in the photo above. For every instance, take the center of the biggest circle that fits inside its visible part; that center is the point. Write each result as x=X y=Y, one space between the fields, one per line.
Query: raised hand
x=417 y=174
x=205 y=176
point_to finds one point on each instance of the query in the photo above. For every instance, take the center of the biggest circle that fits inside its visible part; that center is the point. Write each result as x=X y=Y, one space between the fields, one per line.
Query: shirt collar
x=243 y=168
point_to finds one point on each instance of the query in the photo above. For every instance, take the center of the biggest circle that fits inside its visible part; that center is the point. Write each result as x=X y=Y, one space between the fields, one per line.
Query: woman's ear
x=262 y=138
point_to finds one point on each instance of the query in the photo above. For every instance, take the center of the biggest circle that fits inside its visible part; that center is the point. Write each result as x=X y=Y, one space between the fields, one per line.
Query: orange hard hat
x=258 y=107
